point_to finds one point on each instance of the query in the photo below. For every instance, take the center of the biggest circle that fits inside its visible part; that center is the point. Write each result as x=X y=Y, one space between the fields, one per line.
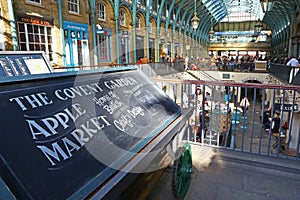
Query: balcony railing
x=227 y=125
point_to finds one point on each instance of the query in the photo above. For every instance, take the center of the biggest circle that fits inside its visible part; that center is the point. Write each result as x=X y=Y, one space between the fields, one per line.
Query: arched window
x=150 y=27
x=101 y=11
x=138 y=23
x=122 y=17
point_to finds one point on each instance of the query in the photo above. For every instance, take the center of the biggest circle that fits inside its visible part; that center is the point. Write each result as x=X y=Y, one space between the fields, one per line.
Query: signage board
x=23 y=63
x=70 y=131
x=177 y=44
x=286 y=107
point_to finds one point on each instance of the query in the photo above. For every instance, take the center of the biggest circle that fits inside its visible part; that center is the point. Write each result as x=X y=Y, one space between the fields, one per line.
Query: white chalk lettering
x=118 y=83
x=123 y=122
x=55 y=153
x=81 y=90
x=135 y=111
x=33 y=100
x=74 y=141
x=36 y=129
x=54 y=122
x=70 y=146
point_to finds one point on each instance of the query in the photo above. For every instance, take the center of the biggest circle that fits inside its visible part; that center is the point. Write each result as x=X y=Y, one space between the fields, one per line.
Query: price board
x=20 y=63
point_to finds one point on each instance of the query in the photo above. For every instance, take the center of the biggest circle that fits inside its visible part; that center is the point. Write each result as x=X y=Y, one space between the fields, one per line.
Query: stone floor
x=224 y=174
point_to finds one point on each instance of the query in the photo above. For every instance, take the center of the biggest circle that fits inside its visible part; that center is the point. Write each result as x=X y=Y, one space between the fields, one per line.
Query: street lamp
x=211 y=32
x=195 y=20
x=258 y=26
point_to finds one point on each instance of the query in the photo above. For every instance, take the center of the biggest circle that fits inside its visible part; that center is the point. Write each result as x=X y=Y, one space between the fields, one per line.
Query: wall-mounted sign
x=124 y=34
x=177 y=44
x=226 y=76
x=286 y=107
x=34 y=20
x=105 y=31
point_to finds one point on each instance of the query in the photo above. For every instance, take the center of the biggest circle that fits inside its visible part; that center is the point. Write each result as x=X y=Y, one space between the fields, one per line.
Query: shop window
x=139 y=47
x=122 y=18
x=101 y=11
x=104 y=47
x=138 y=23
x=150 y=27
x=35 y=38
x=36 y=2
x=73 y=6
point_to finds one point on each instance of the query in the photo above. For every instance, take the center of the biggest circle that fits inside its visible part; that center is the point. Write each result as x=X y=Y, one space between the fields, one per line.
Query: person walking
x=294 y=69
x=244 y=104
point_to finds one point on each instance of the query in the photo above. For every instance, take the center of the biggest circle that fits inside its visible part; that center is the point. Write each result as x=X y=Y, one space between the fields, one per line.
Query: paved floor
x=224 y=174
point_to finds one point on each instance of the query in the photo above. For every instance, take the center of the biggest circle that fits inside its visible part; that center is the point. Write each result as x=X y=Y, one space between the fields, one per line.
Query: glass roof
x=234 y=10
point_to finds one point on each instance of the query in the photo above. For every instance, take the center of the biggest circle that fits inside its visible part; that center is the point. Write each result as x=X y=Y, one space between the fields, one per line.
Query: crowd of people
x=246 y=62
x=230 y=63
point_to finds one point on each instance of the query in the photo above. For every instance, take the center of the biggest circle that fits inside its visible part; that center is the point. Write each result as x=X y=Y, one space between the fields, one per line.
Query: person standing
x=186 y=63
x=275 y=123
x=244 y=104
x=266 y=120
x=199 y=95
x=294 y=69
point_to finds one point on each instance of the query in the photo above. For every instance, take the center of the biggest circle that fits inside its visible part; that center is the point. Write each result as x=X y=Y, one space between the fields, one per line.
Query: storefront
x=104 y=45
x=151 y=49
x=35 y=34
x=177 y=49
x=139 y=47
x=76 y=44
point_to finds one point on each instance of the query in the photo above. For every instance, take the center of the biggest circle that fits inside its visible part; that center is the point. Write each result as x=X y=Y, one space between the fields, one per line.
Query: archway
x=251 y=92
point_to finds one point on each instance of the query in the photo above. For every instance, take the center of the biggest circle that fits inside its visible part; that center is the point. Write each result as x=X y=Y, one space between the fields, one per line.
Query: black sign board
x=286 y=107
x=22 y=63
x=64 y=135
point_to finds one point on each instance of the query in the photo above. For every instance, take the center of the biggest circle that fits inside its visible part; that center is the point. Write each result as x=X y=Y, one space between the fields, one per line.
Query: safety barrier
x=226 y=124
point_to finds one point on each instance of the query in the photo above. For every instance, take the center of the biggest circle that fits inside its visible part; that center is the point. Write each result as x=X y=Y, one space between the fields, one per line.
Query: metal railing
x=225 y=124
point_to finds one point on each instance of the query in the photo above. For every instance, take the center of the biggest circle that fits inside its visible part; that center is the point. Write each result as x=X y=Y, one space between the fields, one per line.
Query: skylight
x=242 y=10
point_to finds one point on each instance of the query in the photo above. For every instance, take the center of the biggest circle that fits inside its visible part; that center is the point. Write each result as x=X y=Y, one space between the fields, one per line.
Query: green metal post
x=158 y=25
x=148 y=3
x=93 y=7
x=61 y=30
x=116 y=10
x=12 y=23
x=134 y=2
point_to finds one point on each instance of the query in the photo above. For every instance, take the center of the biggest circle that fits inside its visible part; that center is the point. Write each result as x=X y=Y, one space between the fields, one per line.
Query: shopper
x=294 y=70
x=266 y=120
x=244 y=104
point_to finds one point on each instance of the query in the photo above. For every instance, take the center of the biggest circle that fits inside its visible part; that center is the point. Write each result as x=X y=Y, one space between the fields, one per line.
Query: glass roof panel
x=215 y=7
x=243 y=10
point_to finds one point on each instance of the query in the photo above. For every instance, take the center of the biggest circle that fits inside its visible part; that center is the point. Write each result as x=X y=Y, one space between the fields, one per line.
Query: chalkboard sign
x=68 y=132
x=23 y=63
